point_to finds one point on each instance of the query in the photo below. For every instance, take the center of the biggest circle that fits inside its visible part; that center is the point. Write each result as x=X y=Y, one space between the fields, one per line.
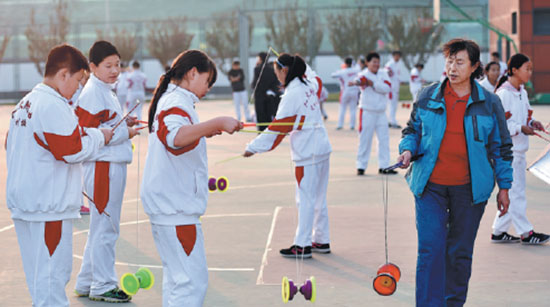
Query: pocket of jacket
x=476 y=128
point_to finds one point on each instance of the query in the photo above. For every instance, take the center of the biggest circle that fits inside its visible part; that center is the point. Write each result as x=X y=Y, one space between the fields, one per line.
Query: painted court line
x=7 y=228
x=153 y=266
x=260 y=280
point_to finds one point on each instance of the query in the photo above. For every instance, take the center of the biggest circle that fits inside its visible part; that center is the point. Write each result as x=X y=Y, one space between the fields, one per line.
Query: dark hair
x=135 y=64
x=453 y=46
x=123 y=64
x=419 y=65
x=488 y=66
x=396 y=52
x=348 y=61
x=236 y=62
x=65 y=56
x=100 y=50
x=516 y=61
x=295 y=64
x=262 y=56
x=182 y=64
x=496 y=54
x=372 y=55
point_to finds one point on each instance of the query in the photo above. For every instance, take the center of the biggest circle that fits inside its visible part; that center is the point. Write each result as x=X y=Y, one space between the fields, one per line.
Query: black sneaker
x=535 y=238
x=113 y=296
x=338 y=128
x=296 y=251
x=387 y=172
x=320 y=248
x=504 y=238
x=360 y=172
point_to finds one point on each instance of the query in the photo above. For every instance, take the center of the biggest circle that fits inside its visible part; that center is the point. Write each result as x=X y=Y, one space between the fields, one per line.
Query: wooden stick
x=265 y=132
x=125 y=116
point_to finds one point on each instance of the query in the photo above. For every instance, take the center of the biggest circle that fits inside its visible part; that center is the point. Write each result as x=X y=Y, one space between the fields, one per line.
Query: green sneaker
x=81 y=293
x=113 y=296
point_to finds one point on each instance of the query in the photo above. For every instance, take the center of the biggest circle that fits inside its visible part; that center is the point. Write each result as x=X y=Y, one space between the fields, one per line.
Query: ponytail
x=296 y=67
x=516 y=61
x=183 y=63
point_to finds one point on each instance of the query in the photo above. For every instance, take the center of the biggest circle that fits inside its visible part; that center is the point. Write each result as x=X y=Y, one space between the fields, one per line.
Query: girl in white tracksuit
x=521 y=124
x=375 y=85
x=45 y=147
x=299 y=107
x=175 y=180
x=104 y=176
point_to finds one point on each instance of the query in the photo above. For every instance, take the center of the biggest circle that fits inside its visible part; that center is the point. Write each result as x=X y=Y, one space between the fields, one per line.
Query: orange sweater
x=452 y=166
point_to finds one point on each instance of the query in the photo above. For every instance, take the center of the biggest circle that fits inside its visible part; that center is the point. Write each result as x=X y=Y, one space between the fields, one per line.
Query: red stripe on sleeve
x=282 y=129
x=320 y=89
x=61 y=145
x=388 y=83
x=87 y=119
x=507 y=115
x=163 y=131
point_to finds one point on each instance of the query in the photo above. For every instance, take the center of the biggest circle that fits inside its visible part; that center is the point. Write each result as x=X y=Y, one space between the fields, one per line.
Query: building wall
x=537 y=47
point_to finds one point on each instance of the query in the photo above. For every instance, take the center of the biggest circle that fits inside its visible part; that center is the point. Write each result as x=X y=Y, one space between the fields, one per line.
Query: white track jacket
x=45 y=146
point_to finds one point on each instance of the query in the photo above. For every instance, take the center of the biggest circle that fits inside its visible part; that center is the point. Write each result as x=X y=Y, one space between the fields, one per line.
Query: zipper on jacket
x=476 y=132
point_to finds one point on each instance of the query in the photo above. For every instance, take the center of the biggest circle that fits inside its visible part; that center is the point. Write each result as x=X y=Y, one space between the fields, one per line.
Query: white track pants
x=348 y=100
x=518 y=202
x=185 y=273
x=47 y=251
x=311 y=199
x=240 y=99
x=97 y=274
x=369 y=123
x=394 y=101
x=133 y=99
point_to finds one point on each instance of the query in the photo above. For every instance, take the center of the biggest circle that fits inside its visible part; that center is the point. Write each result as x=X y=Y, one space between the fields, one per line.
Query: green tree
x=288 y=32
x=354 y=33
x=168 y=38
x=124 y=41
x=222 y=39
x=42 y=39
x=5 y=41
x=415 y=39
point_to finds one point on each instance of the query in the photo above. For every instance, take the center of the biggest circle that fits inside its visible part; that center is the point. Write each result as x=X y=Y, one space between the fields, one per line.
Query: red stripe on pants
x=52 y=235
x=101 y=185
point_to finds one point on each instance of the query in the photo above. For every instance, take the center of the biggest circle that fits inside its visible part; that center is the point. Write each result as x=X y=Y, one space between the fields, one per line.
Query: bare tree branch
x=41 y=40
x=288 y=32
x=166 y=39
x=354 y=33
x=124 y=41
x=415 y=42
x=5 y=41
x=222 y=39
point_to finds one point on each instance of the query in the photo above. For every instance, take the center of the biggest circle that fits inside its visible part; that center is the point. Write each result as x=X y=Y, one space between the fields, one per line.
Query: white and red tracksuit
x=174 y=195
x=104 y=183
x=372 y=118
x=122 y=89
x=415 y=83
x=136 y=91
x=394 y=71
x=310 y=151
x=518 y=113
x=45 y=147
x=349 y=95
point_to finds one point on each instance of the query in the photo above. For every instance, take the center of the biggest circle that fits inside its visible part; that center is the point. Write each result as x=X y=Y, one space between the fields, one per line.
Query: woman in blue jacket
x=458 y=132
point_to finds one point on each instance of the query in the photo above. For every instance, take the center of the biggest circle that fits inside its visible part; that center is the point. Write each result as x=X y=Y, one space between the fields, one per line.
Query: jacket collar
x=95 y=80
x=477 y=94
x=182 y=91
x=41 y=87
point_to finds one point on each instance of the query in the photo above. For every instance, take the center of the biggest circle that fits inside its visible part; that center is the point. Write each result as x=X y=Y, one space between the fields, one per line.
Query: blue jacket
x=488 y=141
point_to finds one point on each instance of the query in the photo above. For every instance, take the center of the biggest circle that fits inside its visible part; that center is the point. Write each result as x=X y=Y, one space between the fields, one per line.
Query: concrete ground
x=246 y=226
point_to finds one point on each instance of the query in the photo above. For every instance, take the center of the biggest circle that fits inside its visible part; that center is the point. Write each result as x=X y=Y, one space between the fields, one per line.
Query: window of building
x=514 y=23
x=541 y=21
